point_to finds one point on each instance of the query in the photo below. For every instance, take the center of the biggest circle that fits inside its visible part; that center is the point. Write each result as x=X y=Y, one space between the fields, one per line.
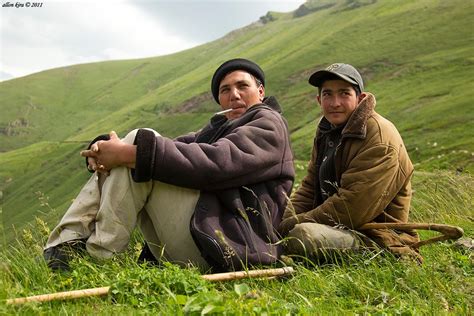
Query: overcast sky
x=67 y=32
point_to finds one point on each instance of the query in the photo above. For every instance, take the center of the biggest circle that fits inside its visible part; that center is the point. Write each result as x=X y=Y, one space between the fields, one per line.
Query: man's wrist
x=129 y=155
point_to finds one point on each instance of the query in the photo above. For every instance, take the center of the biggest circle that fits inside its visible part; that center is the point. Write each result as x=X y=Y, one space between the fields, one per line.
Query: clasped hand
x=105 y=154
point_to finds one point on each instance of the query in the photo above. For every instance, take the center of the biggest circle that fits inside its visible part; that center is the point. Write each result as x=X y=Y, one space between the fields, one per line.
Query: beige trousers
x=319 y=241
x=108 y=208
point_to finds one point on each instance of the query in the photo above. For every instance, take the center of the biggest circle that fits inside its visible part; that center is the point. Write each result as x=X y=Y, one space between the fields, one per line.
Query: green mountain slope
x=417 y=58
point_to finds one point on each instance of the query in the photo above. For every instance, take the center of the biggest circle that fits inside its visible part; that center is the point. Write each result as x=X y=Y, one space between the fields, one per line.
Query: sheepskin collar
x=356 y=126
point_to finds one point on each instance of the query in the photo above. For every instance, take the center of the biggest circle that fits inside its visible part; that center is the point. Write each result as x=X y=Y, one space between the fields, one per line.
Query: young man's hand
x=287 y=224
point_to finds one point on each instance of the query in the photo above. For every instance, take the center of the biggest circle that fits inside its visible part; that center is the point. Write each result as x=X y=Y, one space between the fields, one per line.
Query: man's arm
x=187 y=138
x=92 y=154
x=367 y=187
x=249 y=154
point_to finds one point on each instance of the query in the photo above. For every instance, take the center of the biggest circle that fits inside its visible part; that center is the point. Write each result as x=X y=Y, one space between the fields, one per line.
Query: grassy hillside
x=417 y=57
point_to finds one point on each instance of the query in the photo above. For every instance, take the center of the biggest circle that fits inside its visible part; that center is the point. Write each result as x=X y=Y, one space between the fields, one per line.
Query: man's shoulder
x=381 y=128
x=264 y=112
x=378 y=121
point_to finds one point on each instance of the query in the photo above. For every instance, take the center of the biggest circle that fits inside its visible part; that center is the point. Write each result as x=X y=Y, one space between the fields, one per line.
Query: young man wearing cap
x=359 y=173
x=230 y=180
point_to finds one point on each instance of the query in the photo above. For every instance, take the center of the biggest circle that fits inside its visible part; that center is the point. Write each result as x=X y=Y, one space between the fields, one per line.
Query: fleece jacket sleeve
x=250 y=153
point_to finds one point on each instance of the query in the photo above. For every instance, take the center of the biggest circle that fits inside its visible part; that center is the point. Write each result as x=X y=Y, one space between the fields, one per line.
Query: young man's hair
x=334 y=77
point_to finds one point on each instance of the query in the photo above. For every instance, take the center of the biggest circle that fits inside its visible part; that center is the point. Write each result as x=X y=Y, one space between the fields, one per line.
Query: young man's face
x=238 y=90
x=338 y=99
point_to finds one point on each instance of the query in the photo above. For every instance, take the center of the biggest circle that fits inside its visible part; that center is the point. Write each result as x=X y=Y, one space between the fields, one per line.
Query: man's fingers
x=102 y=169
x=88 y=153
x=91 y=167
x=113 y=135
x=91 y=164
x=95 y=147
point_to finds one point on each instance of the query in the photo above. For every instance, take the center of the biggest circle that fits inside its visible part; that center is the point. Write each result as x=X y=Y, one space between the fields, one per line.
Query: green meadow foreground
x=369 y=283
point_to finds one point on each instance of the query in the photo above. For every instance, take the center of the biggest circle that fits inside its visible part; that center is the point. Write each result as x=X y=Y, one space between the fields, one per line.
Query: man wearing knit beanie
x=212 y=198
x=244 y=73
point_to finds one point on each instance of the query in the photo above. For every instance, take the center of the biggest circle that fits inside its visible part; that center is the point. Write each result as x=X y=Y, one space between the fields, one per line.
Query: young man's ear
x=362 y=96
x=318 y=98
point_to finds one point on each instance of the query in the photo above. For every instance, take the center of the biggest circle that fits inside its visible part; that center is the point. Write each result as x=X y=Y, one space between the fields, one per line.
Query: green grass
x=368 y=283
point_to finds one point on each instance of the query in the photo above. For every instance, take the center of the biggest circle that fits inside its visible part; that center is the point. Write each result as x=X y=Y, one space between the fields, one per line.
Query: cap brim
x=319 y=77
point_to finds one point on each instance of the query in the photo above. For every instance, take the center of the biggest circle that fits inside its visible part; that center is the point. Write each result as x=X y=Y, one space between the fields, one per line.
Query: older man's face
x=239 y=91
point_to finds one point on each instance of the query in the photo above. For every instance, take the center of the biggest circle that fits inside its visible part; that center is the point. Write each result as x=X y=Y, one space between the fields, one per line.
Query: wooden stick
x=237 y=275
x=98 y=291
x=101 y=291
x=447 y=231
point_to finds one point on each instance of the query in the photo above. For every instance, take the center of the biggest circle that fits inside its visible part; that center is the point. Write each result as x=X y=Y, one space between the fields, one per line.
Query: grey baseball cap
x=344 y=71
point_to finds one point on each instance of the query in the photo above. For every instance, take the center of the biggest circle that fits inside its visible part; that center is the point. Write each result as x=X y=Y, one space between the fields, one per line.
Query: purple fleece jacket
x=243 y=166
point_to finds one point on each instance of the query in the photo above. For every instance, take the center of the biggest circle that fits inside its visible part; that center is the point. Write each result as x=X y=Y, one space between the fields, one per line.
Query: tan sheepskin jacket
x=373 y=171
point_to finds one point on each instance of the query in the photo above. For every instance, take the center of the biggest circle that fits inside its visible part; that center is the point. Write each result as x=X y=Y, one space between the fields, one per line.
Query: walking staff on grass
x=359 y=173
x=210 y=198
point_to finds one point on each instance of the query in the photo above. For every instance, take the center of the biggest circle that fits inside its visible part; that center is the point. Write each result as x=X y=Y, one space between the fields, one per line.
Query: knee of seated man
x=130 y=138
x=314 y=236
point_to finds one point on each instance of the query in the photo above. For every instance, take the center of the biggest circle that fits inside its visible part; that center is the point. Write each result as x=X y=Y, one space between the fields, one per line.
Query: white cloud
x=69 y=32
x=78 y=31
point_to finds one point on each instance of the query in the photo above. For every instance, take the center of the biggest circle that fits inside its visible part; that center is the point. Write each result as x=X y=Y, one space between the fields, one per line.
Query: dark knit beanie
x=232 y=65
